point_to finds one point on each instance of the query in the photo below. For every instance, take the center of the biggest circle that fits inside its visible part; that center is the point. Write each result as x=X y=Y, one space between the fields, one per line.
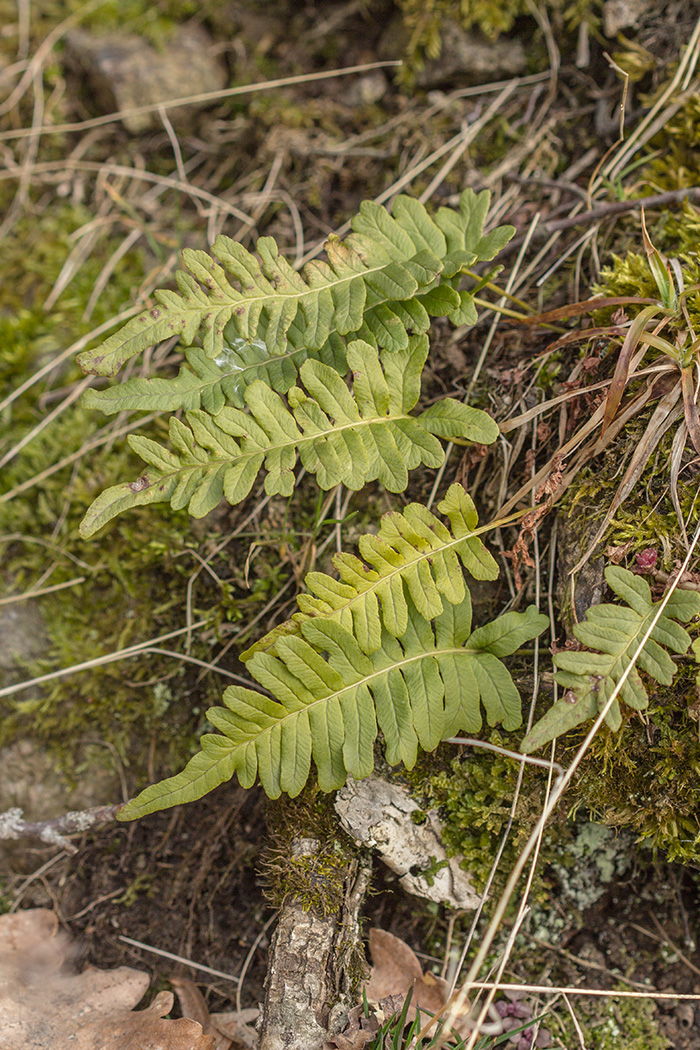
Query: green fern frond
x=387 y=260
x=341 y=437
x=212 y=384
x=328 y=699
x=412 y=555
x=616 y=631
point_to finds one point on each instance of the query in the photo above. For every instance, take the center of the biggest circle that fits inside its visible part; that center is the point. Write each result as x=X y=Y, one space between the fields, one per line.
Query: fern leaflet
x=417 y=690
x=385 y=262
x=341 y=437
x=412 y=555
x=616 y=631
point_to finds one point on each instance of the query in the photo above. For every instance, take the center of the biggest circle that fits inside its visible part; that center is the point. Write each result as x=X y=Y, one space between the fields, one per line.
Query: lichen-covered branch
x=309 y=987
x=54 y=832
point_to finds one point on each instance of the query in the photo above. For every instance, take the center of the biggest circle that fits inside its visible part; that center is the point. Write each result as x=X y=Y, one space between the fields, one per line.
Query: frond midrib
x=294 y=443
x=398 y=571
x=309 y=292
x=397 y=665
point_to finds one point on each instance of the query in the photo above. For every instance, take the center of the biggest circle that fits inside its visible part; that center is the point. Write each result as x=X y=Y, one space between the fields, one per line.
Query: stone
x=621 y=14
x=32 y=784
x=23 y=637
x=366 y=90
x=380 y=815
x=466 y=58
x=121 y=71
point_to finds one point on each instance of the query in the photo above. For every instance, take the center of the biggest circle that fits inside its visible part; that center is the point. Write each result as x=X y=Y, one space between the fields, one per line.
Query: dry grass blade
x=622 y=367
x=692 y=419
x=173 y=103
x=585 y=307
x=666 y=413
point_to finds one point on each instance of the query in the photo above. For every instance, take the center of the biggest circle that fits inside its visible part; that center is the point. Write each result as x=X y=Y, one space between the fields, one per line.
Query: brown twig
x=605 y=211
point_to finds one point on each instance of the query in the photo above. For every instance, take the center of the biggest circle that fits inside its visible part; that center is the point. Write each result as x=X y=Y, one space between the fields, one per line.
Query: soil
x=192 y=881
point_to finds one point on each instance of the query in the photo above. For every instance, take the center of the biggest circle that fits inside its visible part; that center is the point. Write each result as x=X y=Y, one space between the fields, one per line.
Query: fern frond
x=341 y=437
x=385 y=262
x=213 y=384
x=329 y=699
x=589 y=678
x=412 y=555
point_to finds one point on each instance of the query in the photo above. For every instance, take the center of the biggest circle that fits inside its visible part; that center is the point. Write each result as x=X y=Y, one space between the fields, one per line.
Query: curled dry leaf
x=44 y=1003
x=360 y=1030
x=231 y=1030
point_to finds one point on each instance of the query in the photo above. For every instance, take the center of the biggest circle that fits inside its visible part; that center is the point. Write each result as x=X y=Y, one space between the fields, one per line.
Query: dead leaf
x=231 y=1030
x=44 y=1005
x=396 y=970
x=395 y=966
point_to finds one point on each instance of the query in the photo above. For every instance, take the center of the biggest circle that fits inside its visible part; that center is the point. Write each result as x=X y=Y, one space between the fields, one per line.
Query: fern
x=616 y=631
x=328 y=699
x=212 y=384
x=341 y=437
x=384 y=281
x=412 y=552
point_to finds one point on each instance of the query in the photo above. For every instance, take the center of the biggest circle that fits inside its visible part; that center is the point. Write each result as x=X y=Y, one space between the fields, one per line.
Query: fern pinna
x=616 y=631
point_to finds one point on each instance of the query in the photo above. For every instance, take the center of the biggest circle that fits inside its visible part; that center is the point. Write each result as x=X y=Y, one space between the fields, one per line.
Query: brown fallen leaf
x=231 y=1030
x=45 y=1006
x=238 y=1026
x=396 y=970
x=359 y=1031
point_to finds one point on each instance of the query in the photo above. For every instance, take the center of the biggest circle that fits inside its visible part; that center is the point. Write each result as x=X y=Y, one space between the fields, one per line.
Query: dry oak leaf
x=44 y=1005
x=396 y=970
x=231 y=1030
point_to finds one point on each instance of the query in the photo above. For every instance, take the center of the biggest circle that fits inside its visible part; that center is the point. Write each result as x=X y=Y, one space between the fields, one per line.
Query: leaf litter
x=45 y=1004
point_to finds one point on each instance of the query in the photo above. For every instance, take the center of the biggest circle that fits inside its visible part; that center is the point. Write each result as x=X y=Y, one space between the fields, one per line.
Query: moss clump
x=134 y=584
x=608 y=1024
x=646 y=777
x=675 y=160
x=155 y=21
x=309 y=856
x=474 y=797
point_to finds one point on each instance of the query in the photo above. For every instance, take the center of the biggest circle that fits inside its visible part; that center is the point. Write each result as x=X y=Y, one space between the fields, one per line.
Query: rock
x=621 y=14
x=366 y=90
x=467 y=57
x=380 y=815
x=123 y=71
x=31 y=782
x=22 y=637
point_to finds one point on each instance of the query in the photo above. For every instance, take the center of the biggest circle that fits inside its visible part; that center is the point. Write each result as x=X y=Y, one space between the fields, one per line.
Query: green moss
x=646 y=777
x=474 y=796
x=424 y=21
x=608 y=1024
x=134 y=580
x=153 y=19
x=675 y=160
x=315 y=877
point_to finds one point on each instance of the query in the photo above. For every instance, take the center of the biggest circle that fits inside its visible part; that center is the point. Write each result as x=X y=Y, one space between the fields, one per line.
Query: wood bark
x=308 y=987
